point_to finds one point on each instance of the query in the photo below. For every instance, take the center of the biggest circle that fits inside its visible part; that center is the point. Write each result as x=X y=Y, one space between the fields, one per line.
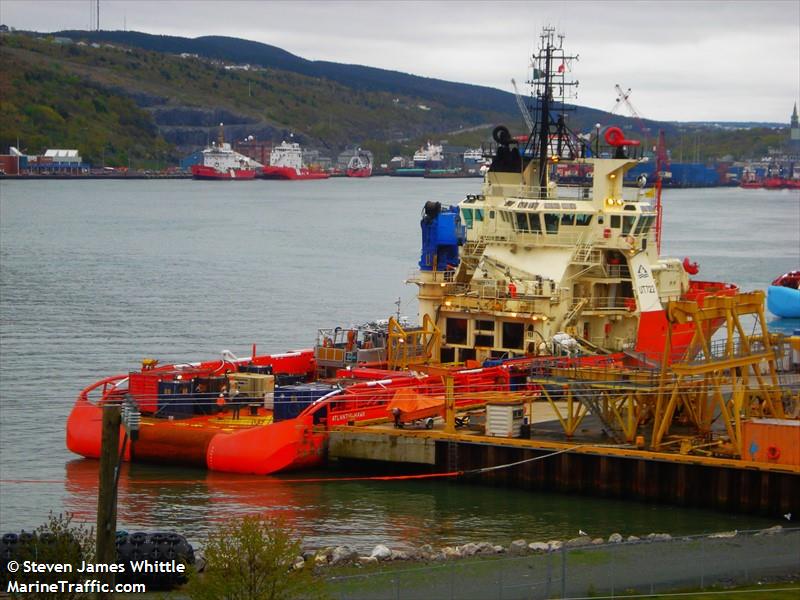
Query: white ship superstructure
x=287 y=154
x=430 y=156
x=528 y=267
x=222 y=157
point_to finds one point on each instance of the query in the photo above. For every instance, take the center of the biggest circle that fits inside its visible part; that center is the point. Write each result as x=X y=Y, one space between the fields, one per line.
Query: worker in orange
x=512 y=289
x=221 y=400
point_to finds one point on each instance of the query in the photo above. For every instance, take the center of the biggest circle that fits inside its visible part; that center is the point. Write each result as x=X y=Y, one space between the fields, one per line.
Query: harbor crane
x=526 y=115
x=624 y=98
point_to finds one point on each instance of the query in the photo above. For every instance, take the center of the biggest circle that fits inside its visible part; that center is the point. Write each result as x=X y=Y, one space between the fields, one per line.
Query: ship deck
x=546 y=434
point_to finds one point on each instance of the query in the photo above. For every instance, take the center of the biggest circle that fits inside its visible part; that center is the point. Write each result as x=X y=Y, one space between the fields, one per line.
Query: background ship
x=286 y=162
x=359 y=165
x=430 y=156
x=221 y=162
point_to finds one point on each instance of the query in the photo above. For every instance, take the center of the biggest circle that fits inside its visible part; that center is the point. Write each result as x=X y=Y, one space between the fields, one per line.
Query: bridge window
x=627 y=224
x=513 y=334
x=522 y=222
x=536 y=223
x=568 y=219
x=447 y=355
x=466 y=354
x=551 y=224
x=456 y=331
x=583 y=220
x=485 y=341
x=644 y=225
x=615 y=221
x=479 y=214
x=467 y=213
x=484 y=325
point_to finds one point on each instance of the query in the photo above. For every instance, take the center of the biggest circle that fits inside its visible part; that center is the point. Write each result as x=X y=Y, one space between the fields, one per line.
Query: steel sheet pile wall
x=728 y=488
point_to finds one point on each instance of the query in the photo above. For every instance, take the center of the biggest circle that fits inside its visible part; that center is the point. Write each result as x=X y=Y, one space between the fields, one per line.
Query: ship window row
x=627 y=224
x=470 y=216
x=511 y=334
x=531 y=222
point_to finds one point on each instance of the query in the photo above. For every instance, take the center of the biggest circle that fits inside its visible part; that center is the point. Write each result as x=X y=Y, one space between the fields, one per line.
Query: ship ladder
x=586 y=254
x=590 y=400
x=472 y=253
x=574 y=312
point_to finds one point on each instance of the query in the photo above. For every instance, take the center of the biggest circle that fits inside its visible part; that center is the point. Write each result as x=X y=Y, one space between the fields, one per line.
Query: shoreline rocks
x=346 y=555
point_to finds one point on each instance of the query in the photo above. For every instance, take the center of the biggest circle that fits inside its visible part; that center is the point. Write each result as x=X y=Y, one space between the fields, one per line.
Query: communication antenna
x=397 y=304
x=551 y=87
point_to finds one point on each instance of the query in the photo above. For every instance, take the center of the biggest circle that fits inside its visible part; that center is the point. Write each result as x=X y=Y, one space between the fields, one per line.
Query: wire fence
x=606 y=570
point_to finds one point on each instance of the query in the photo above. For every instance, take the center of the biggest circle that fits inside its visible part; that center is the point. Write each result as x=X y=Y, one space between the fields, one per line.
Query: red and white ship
x=221 y=162
x=286 y=162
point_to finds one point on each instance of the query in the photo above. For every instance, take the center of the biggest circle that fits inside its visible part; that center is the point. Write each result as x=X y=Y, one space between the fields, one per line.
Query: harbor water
x=96 y=275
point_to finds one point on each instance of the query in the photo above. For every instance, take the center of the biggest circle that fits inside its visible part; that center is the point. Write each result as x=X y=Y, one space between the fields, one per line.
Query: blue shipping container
x=291 y=400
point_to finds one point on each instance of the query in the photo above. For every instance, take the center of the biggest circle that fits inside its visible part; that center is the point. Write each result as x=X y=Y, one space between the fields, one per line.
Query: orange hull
x=191 y=441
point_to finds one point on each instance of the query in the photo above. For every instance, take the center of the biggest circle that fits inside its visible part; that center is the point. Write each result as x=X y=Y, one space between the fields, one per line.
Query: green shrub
x=252 y=559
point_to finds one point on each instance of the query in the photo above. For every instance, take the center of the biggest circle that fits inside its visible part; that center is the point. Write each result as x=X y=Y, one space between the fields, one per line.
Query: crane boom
x=526 y=115
x=624 y=97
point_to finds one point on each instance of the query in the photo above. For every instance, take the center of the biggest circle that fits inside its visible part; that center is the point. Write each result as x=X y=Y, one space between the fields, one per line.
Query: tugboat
x=522 y=272
x=221 y=162
x=286 y=162
x=359 y=166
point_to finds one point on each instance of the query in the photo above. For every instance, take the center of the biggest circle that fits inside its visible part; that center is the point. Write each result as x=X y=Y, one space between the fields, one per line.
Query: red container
x=9 y=164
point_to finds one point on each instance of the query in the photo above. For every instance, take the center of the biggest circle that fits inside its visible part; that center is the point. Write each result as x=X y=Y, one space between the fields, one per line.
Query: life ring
x=773 y=453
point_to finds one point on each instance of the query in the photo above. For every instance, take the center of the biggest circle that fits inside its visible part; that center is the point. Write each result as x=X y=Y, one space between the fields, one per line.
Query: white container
x=504 y=420
x=260 y=388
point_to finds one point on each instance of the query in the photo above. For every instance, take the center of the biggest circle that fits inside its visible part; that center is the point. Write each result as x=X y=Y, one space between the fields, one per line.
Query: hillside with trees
x=127 y=98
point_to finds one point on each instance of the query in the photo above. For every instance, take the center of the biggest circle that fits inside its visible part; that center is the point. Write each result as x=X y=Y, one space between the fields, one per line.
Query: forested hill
x=238 y=51
x=130 y=98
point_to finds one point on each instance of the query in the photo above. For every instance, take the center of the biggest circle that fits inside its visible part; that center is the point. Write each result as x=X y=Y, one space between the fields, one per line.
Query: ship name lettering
x=552 y=205
x=348 y=415
x=645 y=289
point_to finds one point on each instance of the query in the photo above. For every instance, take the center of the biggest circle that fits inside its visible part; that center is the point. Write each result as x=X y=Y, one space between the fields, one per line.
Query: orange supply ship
x=522 y=274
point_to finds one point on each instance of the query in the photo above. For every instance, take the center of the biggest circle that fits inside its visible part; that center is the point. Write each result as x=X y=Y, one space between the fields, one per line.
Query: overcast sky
x=687 y=61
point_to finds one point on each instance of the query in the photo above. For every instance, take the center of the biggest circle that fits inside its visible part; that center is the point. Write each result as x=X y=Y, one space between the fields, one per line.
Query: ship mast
x=550 y=89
